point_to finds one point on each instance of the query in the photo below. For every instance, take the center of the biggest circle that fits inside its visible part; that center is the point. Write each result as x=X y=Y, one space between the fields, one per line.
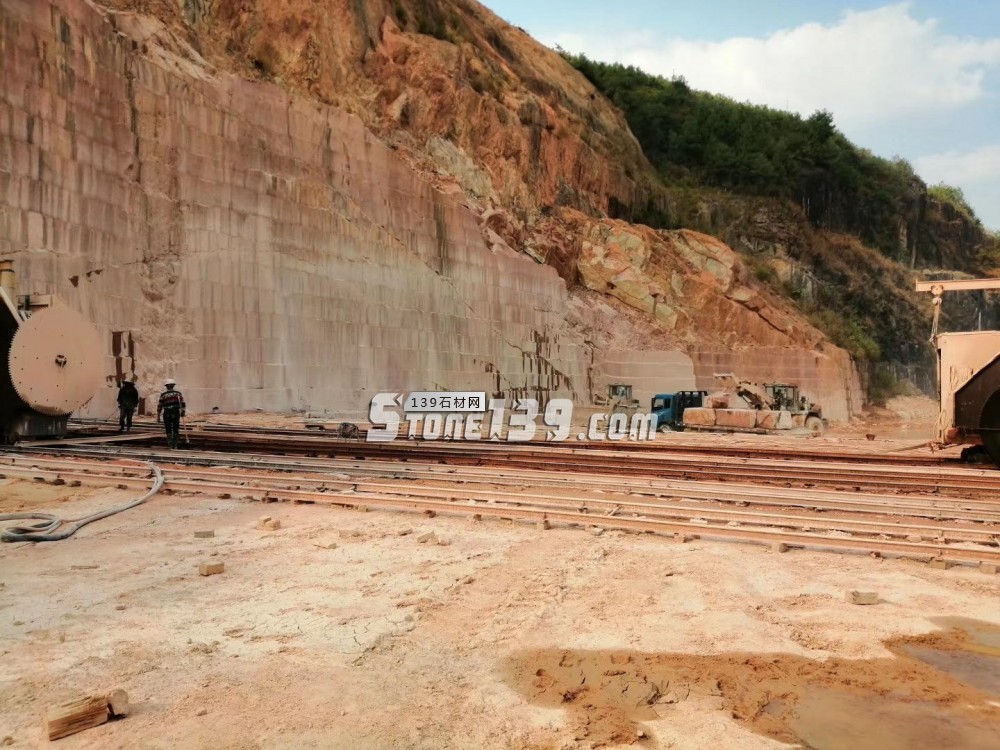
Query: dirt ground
x=343 y=630
x=902 y=418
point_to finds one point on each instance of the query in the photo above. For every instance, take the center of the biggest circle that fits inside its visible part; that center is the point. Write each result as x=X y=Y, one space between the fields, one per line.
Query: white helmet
x=170 y=381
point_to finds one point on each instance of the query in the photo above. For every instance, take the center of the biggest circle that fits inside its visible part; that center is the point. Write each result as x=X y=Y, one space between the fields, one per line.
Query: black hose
x=46 y=530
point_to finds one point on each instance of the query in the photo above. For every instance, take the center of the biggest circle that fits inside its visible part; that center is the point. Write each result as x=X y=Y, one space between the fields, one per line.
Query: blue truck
x=669 y=407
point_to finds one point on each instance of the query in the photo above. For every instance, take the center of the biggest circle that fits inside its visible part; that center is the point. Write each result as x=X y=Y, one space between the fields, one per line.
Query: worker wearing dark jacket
x=128 y=400
x=172 y=407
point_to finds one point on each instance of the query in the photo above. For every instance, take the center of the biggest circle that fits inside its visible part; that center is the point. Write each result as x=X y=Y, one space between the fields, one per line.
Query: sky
x=918 y=79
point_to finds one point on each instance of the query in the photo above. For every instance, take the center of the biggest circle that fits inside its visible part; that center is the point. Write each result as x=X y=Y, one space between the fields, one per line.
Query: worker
x=172 y=406
x=128 y=400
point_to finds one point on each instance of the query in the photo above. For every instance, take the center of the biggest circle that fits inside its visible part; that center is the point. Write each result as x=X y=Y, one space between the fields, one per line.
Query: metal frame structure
x=968 y=375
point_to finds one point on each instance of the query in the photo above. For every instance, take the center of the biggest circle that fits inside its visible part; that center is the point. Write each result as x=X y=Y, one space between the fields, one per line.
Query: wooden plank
x=77 y=715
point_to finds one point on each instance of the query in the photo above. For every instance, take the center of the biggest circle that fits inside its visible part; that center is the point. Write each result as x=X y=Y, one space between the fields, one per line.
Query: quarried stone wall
x=830 y=380
x=264 y=250
x=648 y=372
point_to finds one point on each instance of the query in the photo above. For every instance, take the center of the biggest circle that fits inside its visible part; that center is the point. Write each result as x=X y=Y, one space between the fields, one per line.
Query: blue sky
x=917 y=79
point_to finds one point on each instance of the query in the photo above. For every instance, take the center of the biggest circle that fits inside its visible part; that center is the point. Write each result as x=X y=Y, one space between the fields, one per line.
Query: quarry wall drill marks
x=266 y=251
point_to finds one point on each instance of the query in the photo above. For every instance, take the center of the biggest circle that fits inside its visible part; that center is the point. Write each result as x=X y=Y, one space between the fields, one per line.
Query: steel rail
x=623 y=463
x=658 y=446
x=752 y=493
x=184 y=479
x=928 y=506
x=622 y=460
x=699 y=443
x=781 y=538
x=658 y=510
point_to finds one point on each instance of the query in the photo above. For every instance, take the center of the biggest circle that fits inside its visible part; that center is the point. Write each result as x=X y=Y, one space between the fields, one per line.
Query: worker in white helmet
x=172 y=407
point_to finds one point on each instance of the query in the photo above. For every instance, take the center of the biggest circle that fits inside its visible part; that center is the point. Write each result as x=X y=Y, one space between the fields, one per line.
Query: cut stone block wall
x=831 y=380
x=648 y=372
x=265 y=250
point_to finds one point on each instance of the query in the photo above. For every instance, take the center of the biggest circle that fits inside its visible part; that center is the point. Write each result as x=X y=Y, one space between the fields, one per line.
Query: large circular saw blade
x=55 y=361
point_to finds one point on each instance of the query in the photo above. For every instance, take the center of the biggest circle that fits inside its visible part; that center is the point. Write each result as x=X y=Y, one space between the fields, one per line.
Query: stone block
x=211 y=568
x=204 y=534
x=862 y=597
x=736 y=418
x=36 y=230
x=700 y=417
x=774 y=420
x=266 y=523
x=989 y=568
x=767 y=419
x=941 y=564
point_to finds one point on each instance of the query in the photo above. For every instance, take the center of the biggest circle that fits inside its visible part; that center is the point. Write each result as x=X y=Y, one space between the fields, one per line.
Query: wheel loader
x=775 y=408
x=620 y=400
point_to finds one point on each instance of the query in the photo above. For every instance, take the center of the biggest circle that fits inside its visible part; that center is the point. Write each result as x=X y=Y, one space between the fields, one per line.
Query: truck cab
x=669 y=407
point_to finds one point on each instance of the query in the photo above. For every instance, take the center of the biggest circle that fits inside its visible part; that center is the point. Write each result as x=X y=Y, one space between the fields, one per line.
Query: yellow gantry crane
x=968 y=375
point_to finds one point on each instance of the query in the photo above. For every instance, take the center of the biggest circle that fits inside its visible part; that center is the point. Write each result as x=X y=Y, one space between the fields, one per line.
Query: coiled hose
x=45 y=531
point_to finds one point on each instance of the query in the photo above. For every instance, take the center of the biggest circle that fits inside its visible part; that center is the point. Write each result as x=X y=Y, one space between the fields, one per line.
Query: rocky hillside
x=816 y=216
x=476 y=102
x=453 y=87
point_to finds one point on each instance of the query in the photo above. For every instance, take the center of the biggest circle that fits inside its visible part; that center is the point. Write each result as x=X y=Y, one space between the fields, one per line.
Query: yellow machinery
x=620 y=400
x=968 y=376
x=51 y=362
x=775 y=407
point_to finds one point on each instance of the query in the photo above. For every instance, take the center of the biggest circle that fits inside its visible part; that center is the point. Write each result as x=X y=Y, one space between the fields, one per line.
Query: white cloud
x=961 y=167
x=977 y=172
x=868 y=67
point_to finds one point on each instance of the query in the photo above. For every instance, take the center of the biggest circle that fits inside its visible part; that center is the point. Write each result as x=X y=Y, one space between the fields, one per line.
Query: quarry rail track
x=779 y=470
x=950 y=529
x=698 y=444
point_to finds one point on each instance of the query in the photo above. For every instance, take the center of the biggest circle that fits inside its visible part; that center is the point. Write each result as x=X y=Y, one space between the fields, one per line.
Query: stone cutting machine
x=52 y=362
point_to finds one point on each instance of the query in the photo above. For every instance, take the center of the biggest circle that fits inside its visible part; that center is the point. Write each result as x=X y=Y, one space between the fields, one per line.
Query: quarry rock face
x=271 y=250
x=266 y=251
x=426 y=72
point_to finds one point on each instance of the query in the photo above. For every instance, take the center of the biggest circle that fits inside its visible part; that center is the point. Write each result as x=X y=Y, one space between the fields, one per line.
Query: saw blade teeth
x=54 y=361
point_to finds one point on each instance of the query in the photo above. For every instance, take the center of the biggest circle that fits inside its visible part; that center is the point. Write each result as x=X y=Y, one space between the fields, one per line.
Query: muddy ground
x=343 y=630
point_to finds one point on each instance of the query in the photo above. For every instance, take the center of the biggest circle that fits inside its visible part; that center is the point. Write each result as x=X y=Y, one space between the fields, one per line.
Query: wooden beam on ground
x=77 y=715
x=85 y=713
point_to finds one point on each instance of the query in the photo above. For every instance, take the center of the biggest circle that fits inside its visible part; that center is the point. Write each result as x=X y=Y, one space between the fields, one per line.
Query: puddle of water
x=968 y=650
x=984 y=636
x=939 y=692
x=827 y=719
x=978 y=670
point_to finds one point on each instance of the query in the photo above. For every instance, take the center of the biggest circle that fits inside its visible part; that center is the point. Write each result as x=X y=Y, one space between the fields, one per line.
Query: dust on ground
x=343 y=630
x=907 y=418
